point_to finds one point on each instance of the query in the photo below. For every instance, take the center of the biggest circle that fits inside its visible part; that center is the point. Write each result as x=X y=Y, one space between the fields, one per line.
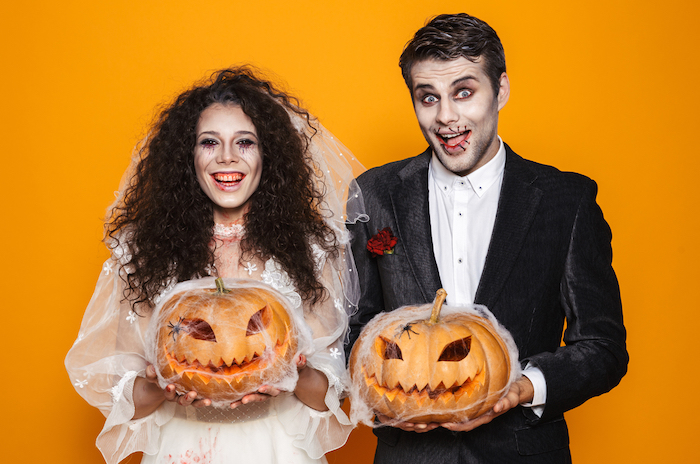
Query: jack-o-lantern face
x=224 y=343
x=446 y=370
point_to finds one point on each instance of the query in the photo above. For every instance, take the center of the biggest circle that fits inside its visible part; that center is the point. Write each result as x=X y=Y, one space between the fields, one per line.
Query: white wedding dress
x=110 y=353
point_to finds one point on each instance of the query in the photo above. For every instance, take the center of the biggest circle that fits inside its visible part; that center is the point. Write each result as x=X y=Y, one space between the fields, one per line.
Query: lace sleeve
x=314 y=431
x=104 y=363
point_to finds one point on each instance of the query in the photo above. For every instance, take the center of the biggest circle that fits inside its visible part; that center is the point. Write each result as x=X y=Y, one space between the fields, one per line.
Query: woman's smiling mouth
x=226 y=180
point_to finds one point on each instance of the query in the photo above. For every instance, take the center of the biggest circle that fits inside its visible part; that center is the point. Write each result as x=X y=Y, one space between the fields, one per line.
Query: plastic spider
x=408 y=330
x=176 y=328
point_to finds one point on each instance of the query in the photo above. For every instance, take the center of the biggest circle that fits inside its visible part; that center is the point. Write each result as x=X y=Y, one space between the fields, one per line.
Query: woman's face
x=227 y=159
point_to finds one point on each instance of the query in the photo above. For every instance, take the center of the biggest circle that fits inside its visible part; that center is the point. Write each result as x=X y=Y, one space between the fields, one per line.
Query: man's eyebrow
x=423 y=87
x=455 y=83
x=462 y=80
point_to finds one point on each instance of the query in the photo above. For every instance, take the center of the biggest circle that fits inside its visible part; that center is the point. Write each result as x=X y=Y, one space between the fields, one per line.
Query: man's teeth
x=452 y=135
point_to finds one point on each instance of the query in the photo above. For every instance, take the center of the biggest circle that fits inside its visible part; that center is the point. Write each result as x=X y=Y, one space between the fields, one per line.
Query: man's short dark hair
x=448 y=37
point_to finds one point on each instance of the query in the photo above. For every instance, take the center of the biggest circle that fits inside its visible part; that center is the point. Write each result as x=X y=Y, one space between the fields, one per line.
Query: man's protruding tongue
x=452 y=142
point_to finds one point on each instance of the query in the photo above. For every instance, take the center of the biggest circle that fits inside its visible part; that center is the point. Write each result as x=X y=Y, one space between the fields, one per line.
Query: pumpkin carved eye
x=198 y=329
x=259 y=321
x=388 y=349
x=457 y=350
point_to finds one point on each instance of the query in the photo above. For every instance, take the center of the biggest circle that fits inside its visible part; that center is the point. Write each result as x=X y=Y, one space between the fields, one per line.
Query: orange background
x=603 y=87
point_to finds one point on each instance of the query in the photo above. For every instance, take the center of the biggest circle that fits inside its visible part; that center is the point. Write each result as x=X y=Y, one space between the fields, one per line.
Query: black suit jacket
x=549 y=261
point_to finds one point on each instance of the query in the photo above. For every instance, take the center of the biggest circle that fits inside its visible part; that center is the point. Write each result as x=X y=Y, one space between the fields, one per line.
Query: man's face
x=458 y=111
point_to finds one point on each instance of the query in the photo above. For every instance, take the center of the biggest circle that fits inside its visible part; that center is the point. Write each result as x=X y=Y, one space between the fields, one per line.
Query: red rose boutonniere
x=382 y=243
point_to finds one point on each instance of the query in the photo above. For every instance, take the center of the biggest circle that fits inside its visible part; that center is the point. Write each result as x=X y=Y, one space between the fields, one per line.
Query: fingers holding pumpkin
x=150 y=374
x=470 y=424
x=407 y=426
x=301 y=362
x=186 y=399
x=264 y=393
x=169 y=391
x=521 y=391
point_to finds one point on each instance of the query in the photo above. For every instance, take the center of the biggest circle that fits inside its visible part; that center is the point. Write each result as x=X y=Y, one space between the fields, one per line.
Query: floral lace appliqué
x=80 y=383
x=275 y=276
x=167 y=289
x=319 y=256
x=250 y=267
x=107 y=268
x=117 y=390
x=131 y=317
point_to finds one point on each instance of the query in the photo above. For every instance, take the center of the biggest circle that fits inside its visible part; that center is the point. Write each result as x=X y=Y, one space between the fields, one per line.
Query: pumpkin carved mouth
x=221 y=371
x=420 y=396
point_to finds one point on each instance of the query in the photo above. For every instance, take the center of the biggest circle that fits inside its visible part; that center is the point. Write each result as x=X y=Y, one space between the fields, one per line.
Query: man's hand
x=407 y=426
x=521 y=391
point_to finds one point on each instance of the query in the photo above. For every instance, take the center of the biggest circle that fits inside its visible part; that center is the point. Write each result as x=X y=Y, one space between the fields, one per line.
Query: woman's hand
x=266 y=392
x=148 y=395
x=310 y=389
x=312 y=386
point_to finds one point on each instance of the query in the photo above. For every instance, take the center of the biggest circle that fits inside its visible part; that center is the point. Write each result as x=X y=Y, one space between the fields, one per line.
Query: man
x=524 y=239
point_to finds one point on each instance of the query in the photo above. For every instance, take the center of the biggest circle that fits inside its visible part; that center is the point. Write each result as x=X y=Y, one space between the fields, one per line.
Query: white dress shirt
x=462 y=215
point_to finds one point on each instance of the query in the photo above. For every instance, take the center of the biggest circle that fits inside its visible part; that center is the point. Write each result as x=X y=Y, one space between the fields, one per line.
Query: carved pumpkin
x=224 y=343
x=447 y=369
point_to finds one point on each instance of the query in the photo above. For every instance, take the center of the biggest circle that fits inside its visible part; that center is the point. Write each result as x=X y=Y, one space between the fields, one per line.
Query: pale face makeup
x=457 y=111
x=227 y=159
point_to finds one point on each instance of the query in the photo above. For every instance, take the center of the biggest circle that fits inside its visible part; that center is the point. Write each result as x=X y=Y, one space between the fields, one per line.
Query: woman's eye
x=207 y=143
x=245 y=143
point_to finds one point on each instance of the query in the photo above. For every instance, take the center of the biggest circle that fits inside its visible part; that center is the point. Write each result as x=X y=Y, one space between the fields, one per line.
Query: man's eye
x=464 y=93
x=430 y=99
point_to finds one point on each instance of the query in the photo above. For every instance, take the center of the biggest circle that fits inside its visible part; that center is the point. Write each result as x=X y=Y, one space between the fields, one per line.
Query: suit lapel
x=517 y=206
x=409 y=198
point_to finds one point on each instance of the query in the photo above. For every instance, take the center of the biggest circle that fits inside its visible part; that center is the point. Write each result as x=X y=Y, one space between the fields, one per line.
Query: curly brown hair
x=165 y=221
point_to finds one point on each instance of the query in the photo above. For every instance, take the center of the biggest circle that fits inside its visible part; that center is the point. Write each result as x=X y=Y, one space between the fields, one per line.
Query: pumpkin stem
x=437 y=305
x=220 y=288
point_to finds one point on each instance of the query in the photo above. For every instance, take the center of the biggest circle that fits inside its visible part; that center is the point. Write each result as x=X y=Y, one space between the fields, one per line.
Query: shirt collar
x=479 y=180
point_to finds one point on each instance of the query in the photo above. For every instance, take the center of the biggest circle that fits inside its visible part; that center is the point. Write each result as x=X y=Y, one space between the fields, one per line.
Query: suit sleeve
x=594 y=358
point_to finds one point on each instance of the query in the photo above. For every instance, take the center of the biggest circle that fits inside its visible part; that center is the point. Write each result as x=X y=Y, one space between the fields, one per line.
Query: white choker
x=232 y=231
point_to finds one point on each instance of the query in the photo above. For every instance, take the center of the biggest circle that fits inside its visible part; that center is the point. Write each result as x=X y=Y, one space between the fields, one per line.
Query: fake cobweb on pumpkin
x=411 y=371
x=226 y=345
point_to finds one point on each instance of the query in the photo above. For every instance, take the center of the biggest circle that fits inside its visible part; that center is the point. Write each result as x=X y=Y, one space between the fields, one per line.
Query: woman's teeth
x=228 y=177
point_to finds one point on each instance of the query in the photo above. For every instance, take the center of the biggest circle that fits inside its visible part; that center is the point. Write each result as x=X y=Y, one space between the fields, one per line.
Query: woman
x=233 y=181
